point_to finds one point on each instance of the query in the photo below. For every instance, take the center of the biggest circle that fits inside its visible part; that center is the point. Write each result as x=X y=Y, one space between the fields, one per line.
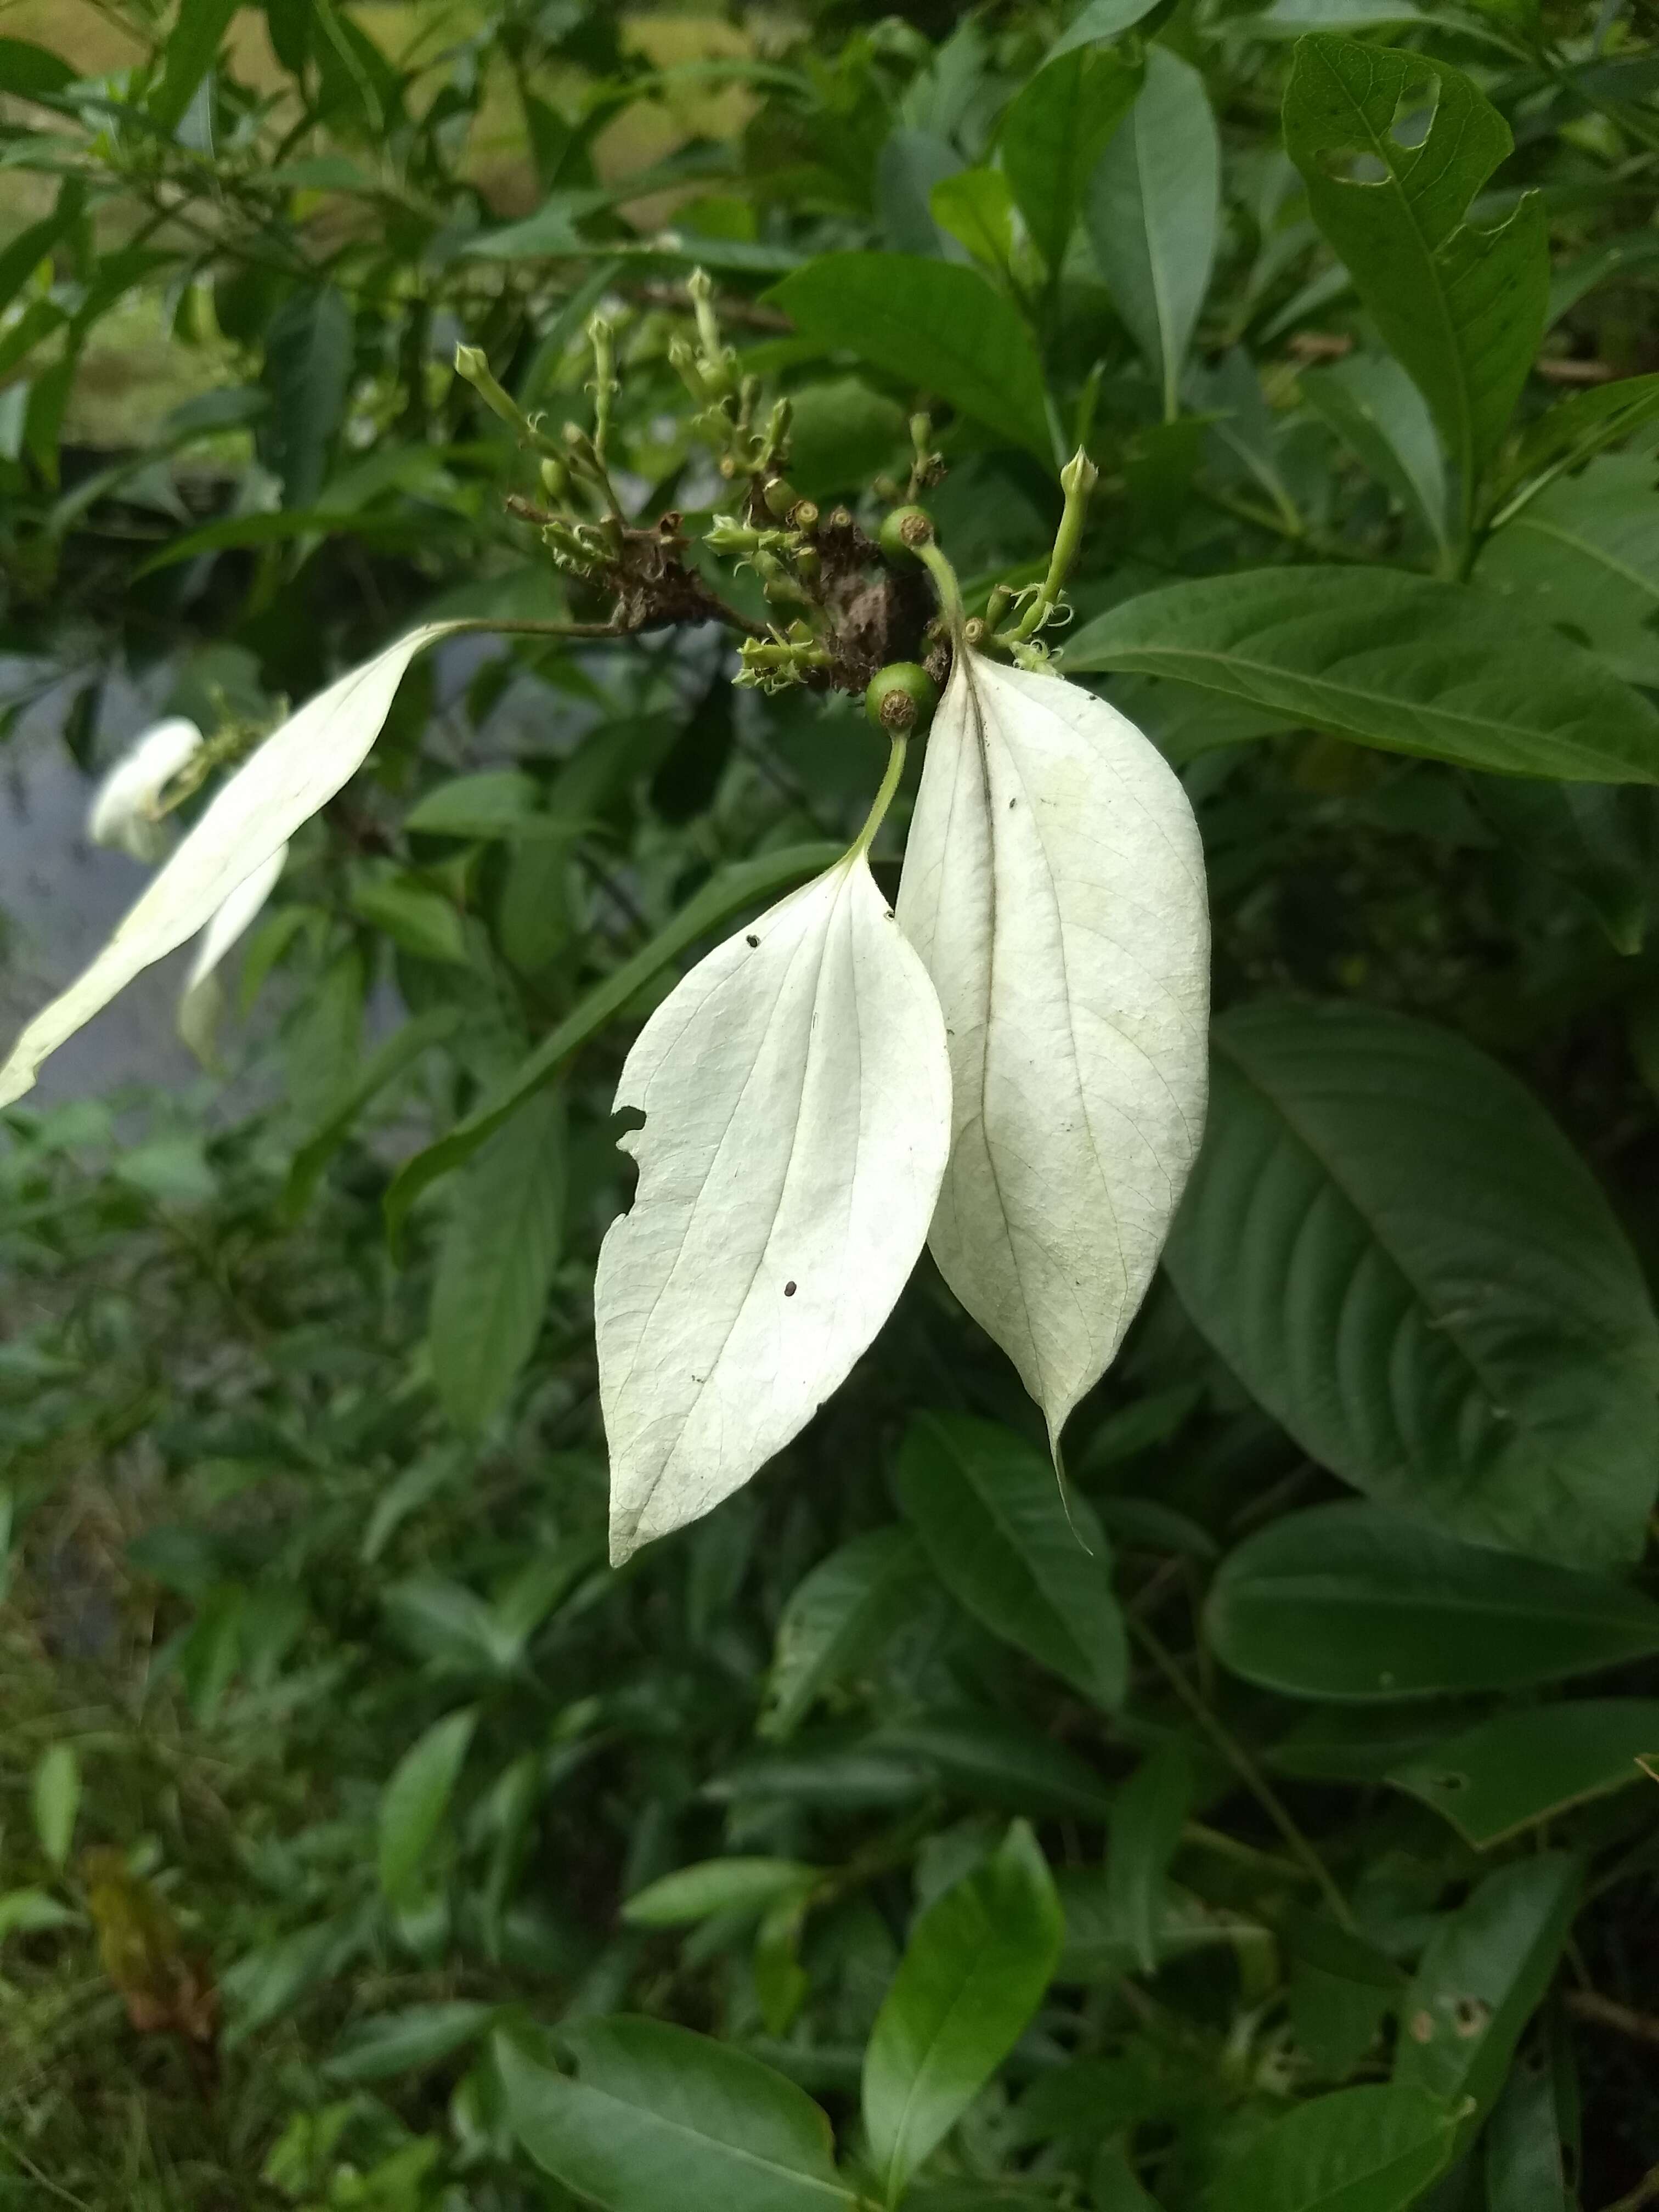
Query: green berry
x=900 y=699
x=904 y=533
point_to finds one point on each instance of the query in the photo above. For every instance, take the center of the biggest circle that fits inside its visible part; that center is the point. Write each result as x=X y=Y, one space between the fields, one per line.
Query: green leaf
x=998 y=1762
x=1100 y=1946
x=733 y=1884
x=1112 y=2184
x=400 y=2042
x=972 y=1974
x=1147 y=1815
x=414 y=1800
x=657 y=2116
x=32 y=1912
x=1353 y=1602
x=30 y=72
x=415 y=917
x=836 y=1621
x=496 y=1262
x=992 y=1520
x=1052 y=134
x=1377 y=410
x=1100 y=19
x=388 y=1061
x=1526 y=2169
x=494 y=803
x=975 y=207
x=1576 y=427
x=728 y=890
x=1400 y=662
x=21 y=256
x=1153 y=210
x=308 y=371
x=1461 y=309
x=1395 y=1249
x=1371 y=2150
x=1483 y=1973
x=1584 y=556
x=1519 y=1768
x=57 y=1800
x=933 y=324
x=191 y=48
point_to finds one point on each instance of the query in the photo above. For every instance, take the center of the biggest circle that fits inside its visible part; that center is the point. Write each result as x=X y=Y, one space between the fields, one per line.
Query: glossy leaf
x=416 y=1799
x=836 y=1620
x=1518 y=1768
x=1369 y=2149
x=1462 y=309
x=1355 y=1603
x=1584 y=556
x=974 y=1971
x=1480 y=1980
x=1054 y=885
x=938 y=327
x=727 y=892
x=496 y=1262
x=1398 y=661
x=1052 y=134
x=1153 y=210
x=293 y=774
x=796 y=1095
x=656 y=2115
x=1399 y=1254
x=996 y=1527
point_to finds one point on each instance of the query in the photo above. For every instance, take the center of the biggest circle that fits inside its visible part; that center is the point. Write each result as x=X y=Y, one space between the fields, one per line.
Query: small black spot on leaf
x=789 y=1289
x=751 y=940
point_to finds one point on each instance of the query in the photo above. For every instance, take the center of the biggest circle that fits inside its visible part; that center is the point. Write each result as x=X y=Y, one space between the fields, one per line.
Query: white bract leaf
x=202 y=1001
x=1054 y=885
x=124 y=809
x=296 y=770
x=797 y=1102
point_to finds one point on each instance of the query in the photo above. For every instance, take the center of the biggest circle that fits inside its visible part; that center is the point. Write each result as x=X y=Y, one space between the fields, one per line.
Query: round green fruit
x=900 y=699
x=904 y=533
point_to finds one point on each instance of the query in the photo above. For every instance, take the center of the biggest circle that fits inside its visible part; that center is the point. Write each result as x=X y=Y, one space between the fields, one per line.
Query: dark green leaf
x=657 y=2117
x=1396 y=1250
x=1352 y=1601
x=494 y=803
x=496 y=1262
x=399 y=1052
x=992 y=1518
x=733 y=1884
x=1526 y=2169
x=973 y=206
x=1053 y=135
x=1483 y=1974
x=416 y=1799
x=1581 y=425
x=400 y=2042
x=1371 y=2150
x=1401 y=662
x=307 y=372
x=972 y=1974
x=1461 y=309
x=1101 y=1946
x=836 y=1621
x=1153 y=210
x=731 y=889
x=1521 y=1767
x=191 y=51
x=29 y=71
x=1584 y=556
x=1147 y=1815
x=1379 y=414
x=938 y=328
x=1099 y=18
x=998 y=1762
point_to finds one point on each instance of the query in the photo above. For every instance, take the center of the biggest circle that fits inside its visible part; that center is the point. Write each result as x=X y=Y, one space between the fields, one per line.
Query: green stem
x=1246 y=1768
x=945 y=584
x=882 y=800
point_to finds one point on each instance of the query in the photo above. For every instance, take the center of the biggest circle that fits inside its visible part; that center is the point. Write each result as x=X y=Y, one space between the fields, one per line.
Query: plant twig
x=1606 y=2012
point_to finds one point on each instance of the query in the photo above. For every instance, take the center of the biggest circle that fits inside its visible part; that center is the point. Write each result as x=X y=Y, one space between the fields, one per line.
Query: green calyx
x=900 y=699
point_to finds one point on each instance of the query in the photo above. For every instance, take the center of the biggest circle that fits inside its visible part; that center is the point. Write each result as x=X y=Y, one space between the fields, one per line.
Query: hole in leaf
x=1470 y=2015
x=1413 y=111
x=1350 y=165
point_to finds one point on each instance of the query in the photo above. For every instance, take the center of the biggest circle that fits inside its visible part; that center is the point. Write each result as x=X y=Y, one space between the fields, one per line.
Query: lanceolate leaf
x=1393 y=661
x=972 y=1974
x=1461 y=309
x=994 y=1522
x=1585 y=557
x=294 y=772
x=796 y=1094
x=1371 y=2150
x=1524 y=1767
x=938 y=326
x=1153 y=212
x=1053 y=135
x=837 y=1619
x=1402 y=1258
x=1054 y=885
x=497 y=1261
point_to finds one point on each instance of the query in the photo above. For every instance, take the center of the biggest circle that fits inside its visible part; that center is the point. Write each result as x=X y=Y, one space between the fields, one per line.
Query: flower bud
x=900 y=699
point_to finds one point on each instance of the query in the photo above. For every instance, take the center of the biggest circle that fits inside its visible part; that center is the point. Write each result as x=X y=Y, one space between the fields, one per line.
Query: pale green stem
x=882 y=800
x=1078 y=480
x=945 y=584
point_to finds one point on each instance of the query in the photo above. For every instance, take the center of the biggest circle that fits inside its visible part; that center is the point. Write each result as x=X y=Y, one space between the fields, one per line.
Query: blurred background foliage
x=331 y=1747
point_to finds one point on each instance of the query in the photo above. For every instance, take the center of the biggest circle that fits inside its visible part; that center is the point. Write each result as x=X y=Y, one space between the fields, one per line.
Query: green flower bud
x=900 y=699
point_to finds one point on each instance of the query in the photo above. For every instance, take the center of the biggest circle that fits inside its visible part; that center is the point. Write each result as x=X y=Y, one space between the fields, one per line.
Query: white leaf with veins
x=295 y=771
x=797 y=1102
x=202 y=1001
x=1054 y=885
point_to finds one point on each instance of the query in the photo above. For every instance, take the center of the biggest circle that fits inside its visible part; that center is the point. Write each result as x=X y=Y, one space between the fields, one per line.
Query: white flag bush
x=1013 y=1071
